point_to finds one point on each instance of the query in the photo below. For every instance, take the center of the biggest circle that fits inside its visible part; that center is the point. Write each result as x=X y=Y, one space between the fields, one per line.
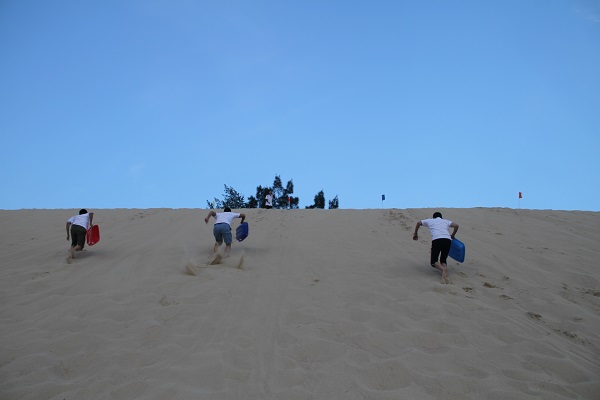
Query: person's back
x=441 y=241
x=438 y=227
x=222 y=227
x=81 y=220
x=226 y=217
x=77 y=227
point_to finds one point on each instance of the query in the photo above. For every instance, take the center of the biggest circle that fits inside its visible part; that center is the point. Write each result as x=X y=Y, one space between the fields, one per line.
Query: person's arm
x=210 y=214
x=455 y=226
x=243 y=217
x=415 y=236
x=91 y=219
x=68 y=230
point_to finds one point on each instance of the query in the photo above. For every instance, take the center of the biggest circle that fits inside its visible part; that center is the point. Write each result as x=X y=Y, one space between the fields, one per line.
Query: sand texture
x=314 y=304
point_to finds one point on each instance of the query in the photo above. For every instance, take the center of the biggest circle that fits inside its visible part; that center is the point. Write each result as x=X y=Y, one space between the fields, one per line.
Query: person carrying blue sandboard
x=222 y=229
x=441 y=241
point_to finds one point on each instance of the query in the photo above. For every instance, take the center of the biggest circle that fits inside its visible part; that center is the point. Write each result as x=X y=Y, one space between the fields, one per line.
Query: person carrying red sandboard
x=77 y=227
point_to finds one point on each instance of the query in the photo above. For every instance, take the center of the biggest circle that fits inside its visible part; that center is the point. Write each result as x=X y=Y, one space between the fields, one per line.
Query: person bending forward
x=222 y=228
x=441 y=241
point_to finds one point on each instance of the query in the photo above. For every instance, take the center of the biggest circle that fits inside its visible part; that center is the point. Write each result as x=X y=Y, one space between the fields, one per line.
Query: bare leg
x=227 y=250
x=216 y=257
x=71 y=253
x=445 y=273
x=444 y=269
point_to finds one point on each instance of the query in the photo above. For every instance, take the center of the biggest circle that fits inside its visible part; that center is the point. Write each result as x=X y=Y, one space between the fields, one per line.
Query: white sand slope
x=314 y=304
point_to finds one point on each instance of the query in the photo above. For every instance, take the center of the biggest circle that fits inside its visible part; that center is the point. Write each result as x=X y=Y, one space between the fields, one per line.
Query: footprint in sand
x=190 y=269
x=240 y=264
x=216 y=259
x=534 y=316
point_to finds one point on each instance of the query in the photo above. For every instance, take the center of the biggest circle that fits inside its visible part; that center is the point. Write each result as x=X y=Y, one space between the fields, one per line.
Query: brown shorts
x=78 y=235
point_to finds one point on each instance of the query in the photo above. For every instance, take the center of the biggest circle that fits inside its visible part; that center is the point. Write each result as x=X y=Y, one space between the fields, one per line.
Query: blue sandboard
x=241 y=232
x=457 y=250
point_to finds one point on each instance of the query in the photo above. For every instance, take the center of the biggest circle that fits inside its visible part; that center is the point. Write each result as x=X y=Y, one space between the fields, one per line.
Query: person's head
x=227 y=209
x=83 y=211
x=437 y=215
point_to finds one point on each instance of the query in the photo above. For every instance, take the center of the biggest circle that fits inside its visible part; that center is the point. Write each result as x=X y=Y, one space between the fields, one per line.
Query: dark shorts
x=222 y=233
x=440 y=249
x=78 y=235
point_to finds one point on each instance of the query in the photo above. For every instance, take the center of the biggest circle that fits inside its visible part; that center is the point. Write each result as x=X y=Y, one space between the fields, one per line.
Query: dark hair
x=227 y=209
x=437 y=214
x=83 y=211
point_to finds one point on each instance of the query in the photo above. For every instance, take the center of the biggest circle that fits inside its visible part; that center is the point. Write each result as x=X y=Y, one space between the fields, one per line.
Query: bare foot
x=444 y=269
x=70 y=256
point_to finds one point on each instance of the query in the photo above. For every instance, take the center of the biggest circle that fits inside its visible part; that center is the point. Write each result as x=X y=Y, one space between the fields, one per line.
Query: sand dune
x=314 y=304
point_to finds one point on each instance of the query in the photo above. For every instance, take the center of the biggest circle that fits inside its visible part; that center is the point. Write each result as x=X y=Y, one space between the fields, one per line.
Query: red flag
x=520 y=195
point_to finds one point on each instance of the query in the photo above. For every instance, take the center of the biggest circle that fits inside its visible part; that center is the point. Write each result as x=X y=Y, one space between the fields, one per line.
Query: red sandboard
x=93 y=235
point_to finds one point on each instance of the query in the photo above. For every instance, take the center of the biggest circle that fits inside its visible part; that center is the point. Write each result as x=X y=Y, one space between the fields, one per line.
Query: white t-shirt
x=81 y=220
x=438 y=227
x=226 y=217
x=269 y=200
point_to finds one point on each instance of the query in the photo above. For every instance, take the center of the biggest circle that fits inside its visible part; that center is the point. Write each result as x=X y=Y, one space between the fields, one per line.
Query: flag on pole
x=382 y=197
x=520 y=195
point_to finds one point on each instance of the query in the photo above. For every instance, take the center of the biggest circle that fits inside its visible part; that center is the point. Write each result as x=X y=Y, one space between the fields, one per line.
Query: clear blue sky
x=156 y=103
